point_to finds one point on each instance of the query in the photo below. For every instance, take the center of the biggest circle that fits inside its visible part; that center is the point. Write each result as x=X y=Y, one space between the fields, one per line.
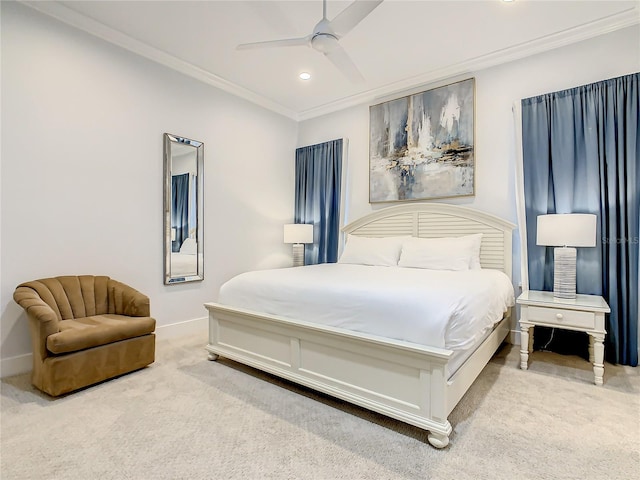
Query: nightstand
x=585 y=313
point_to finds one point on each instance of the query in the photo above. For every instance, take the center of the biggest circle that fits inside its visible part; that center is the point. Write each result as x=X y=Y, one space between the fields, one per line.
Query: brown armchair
x=84 y=330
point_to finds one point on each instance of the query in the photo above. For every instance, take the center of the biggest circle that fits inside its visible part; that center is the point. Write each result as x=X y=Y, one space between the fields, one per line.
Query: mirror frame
x=169 y=141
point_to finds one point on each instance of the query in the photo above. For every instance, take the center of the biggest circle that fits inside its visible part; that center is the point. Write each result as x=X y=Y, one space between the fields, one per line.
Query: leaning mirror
x=183 y=205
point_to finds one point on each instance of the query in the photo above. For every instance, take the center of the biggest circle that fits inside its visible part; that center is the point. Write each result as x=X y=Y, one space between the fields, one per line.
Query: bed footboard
x=398 y=379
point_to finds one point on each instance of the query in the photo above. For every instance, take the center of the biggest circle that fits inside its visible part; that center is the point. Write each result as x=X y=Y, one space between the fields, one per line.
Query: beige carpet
x=187 y=418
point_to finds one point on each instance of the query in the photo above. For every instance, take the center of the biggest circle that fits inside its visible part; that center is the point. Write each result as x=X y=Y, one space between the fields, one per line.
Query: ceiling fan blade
x=353 y=15
x=341 y=60
x=287 y=42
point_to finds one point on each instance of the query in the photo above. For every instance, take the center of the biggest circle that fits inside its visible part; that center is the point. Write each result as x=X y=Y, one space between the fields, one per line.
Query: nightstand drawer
x=567 y=318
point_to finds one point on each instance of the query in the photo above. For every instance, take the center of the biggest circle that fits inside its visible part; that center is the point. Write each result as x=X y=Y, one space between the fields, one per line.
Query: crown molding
x=75 y=19
x=582 y=32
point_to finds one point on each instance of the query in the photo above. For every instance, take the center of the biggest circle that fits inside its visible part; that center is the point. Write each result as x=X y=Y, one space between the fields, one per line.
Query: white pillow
x=383 y=251
x=475 y=242
x=189 y=246
x=455 y=253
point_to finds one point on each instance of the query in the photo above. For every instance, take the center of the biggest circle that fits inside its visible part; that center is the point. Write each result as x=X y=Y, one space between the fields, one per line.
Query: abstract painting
x=422 y=146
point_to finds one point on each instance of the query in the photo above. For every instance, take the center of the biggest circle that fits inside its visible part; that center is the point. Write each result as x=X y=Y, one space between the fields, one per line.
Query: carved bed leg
x=213 y=357
x=438 y=440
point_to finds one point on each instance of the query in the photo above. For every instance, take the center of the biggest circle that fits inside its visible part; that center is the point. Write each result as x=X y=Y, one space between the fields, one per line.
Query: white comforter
x=444 y=309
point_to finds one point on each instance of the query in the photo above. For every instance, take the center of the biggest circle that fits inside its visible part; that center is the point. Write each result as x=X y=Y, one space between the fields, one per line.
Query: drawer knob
x=559 y=316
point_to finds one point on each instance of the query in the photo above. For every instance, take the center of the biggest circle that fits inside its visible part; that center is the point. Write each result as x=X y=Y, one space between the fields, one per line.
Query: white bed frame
x=402 y=380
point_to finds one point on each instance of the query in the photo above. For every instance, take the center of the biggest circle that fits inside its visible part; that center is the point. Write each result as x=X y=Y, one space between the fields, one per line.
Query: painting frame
x=422 y=145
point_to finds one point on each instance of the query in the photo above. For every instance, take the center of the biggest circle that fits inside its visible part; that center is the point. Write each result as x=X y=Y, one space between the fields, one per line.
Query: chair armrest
x=127 y=300
x=43 y=320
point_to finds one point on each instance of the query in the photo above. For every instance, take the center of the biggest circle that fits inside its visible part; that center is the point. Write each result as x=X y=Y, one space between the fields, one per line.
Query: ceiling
x=400 y=45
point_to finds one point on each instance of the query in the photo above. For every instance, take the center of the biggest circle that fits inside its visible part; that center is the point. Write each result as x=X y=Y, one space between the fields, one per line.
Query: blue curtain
x=179 y=209
x=317 y=198
x=193 y=205
x=581 y=155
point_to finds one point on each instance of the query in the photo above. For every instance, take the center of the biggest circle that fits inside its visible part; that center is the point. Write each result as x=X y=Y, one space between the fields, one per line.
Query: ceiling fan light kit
x=326 y=36
x=324 y=42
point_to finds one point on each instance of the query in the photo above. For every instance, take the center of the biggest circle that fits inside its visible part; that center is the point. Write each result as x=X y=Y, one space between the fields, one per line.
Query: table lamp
x=298 y=234
x=566 y=231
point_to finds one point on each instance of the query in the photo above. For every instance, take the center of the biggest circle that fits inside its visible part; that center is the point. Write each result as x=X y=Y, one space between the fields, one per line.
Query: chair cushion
x=86 y=332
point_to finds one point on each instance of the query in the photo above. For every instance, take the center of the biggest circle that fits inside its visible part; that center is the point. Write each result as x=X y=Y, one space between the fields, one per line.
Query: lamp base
x=298 y=254
x=564 y=272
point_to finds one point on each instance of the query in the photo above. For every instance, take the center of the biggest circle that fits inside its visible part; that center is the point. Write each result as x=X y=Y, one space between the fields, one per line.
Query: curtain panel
x=318 y=174
x=581 y=155
x=179 y=209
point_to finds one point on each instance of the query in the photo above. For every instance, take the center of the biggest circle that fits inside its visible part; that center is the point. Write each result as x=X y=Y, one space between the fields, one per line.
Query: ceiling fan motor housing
x=324 y=42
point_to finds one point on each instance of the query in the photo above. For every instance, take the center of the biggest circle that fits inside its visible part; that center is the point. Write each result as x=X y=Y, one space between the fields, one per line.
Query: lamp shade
x=567 y=229
x=298 y=233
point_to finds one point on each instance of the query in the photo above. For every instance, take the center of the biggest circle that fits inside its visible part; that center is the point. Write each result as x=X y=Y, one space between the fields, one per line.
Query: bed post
x=214 y=328
x=435 y=407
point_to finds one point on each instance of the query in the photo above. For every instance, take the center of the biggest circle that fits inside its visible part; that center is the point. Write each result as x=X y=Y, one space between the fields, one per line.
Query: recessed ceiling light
x=305 y=76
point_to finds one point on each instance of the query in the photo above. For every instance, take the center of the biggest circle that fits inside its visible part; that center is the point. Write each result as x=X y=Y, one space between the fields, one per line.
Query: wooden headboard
x=431 y=220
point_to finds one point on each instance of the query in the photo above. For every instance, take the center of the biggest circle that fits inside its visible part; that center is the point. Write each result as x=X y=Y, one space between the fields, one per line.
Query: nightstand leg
x=524 y=345
x=531 y=332
x=598 y=356
x=591 y=359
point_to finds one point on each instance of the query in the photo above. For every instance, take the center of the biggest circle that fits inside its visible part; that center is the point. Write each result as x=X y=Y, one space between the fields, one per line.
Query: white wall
x=185 y=163
x=81 y=165
x=82 y=125
x=497 y=88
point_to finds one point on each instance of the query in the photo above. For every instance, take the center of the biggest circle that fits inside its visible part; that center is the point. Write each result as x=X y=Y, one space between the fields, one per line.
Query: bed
x=184 y=262
x=416 y=377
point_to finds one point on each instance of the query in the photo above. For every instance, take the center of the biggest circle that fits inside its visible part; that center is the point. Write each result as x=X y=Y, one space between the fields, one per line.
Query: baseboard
x=22 y=363
x=15 y=365
x=183 y=329
x=514 y=337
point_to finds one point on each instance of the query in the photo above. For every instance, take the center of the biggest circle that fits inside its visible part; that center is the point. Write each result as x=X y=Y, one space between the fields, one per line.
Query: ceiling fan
x=326 y=36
